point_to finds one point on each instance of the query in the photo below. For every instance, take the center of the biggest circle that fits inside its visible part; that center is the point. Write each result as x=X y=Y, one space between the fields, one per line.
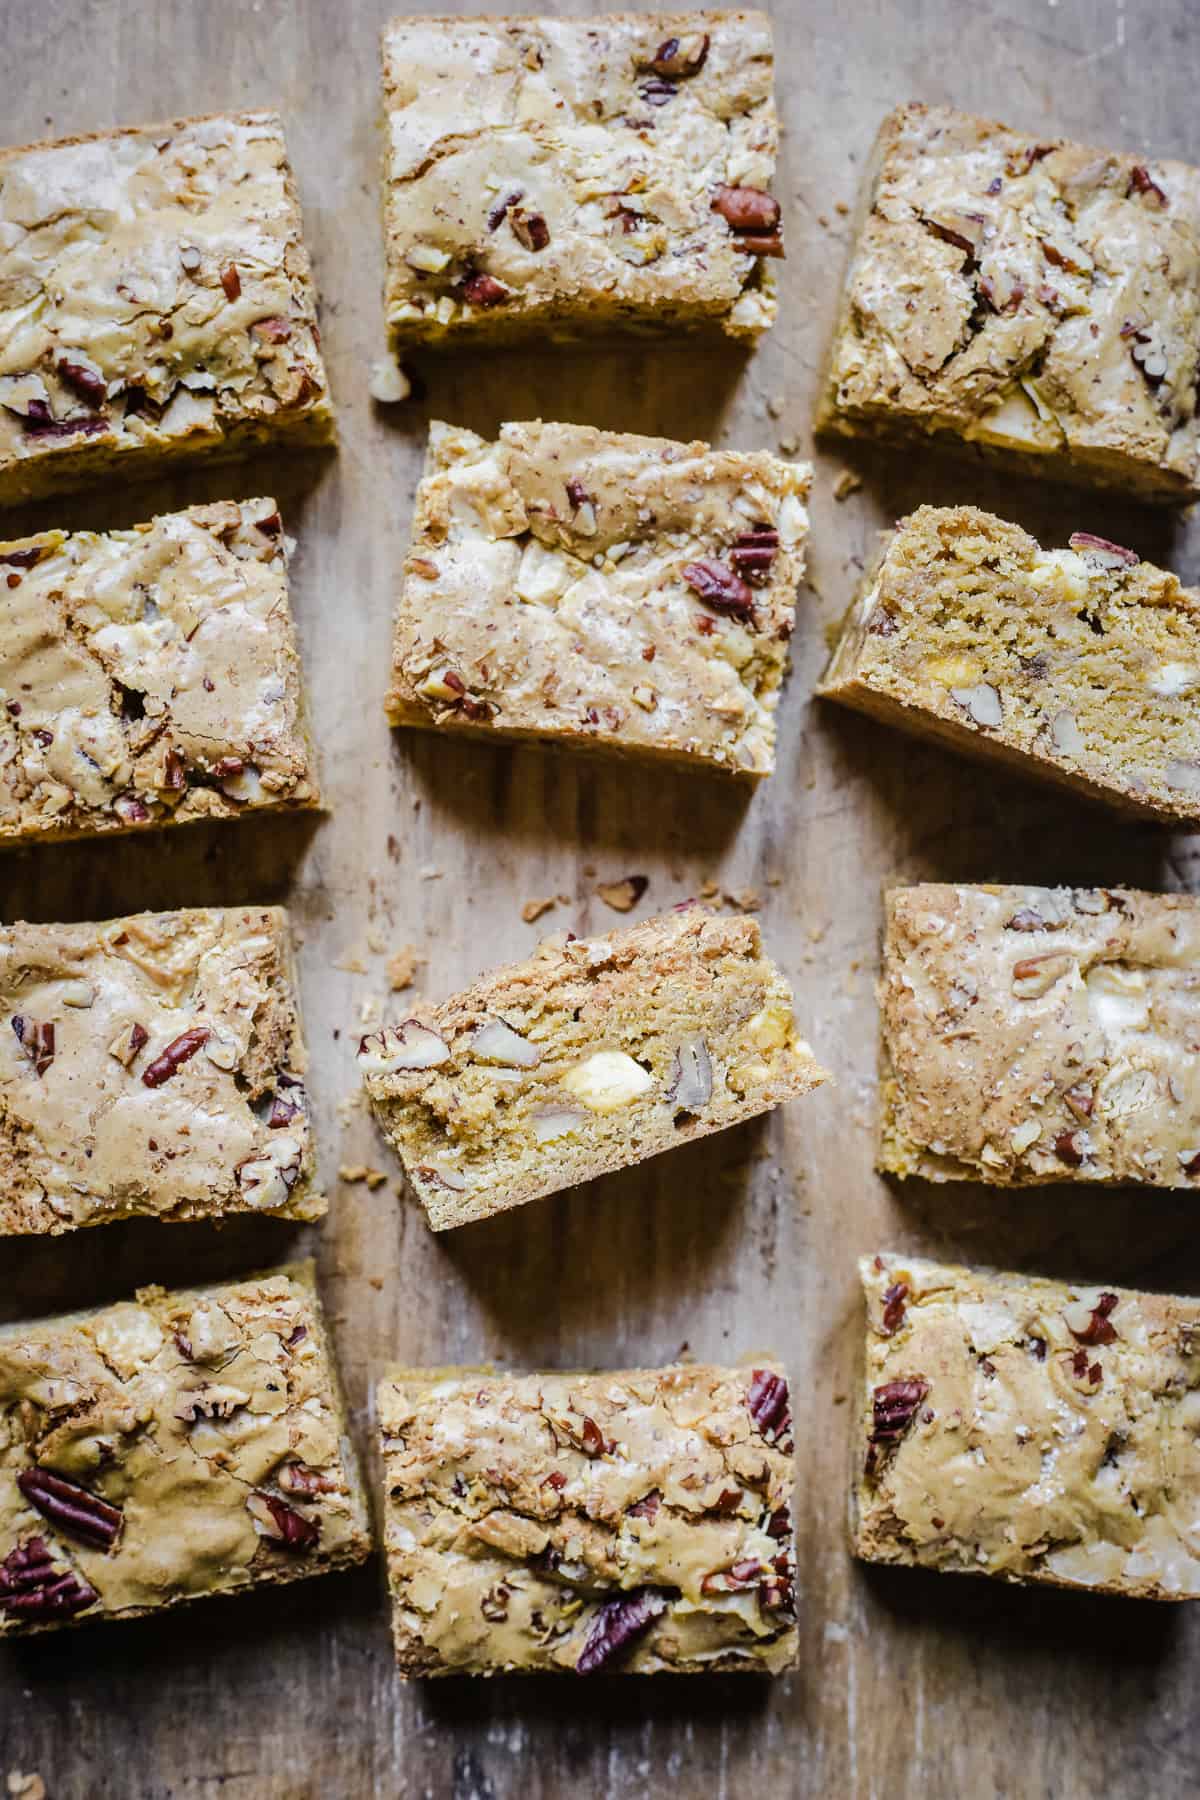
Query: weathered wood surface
x=909 y=1685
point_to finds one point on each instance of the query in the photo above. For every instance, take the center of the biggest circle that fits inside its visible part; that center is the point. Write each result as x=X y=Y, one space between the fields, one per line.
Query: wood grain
x=909 y=1685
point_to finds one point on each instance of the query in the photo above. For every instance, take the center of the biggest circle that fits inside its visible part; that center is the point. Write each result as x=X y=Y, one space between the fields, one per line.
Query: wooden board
x=909 y=1685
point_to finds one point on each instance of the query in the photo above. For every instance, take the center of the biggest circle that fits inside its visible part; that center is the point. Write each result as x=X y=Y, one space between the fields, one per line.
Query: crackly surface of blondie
x=152 y=1066
x=568 y=175
x=150 y=676
x=637 y=1522
x=1028 y=1429
x=596 y=589
x=593 y=1054
x=1079 y=666
x=1035 y=297
x=1041 y=1034
x=156 y=301
x=170 y=1447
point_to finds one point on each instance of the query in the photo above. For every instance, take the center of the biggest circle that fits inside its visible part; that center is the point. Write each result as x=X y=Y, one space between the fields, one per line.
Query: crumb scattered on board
x=623 y=895
x=846 y=484
x=25 y=1787
x=362 y=1172
x=401 y=968
x=533 y=909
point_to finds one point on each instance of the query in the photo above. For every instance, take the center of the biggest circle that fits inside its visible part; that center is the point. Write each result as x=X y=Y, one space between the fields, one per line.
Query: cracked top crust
x=155 y=296
x=1035 y=296
x=608 y=172
x=169 y=1447
x=1030 y=1429
x=1041 y=1034
x=152 y=1066
x=150 y=676
x=638 y=1522
x=1078 y=665
x=596 y=588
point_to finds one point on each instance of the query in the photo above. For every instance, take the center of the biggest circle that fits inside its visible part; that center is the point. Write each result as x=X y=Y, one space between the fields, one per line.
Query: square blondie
x=150 y=677
x=599 y=590
x=1030 y=1430
x=172 y=1447
x=156 y=302
x=152 y=1066
x=553 y=177
x=1035 y=1034
x=1079 y=666
x=635 y=1523
x=1035 y=298
x=592 y=1055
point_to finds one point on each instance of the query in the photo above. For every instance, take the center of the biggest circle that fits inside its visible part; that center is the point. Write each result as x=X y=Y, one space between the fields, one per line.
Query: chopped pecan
x=231 y=281
x=1071 y=1147
x=616 y=1626
x=20 y=559
x=1081 y=1099
x=36 y=1038
x=1096 y=1329
x=272 y=331
x=299 y=1478
x=647 y=1507
x=495 y=217
x=893 y=1307
x=720 y=588
x=35 y=1585
x=87 y=382
x=1104 y=549
x=481 y=290
x=529 y=229
x=494 y=1605
x=894 y=1407
x=658 y=92
x=767 y=1401
x=39 y=422
x=74 y=1509
x=680 y=57
x=1025 y=919
x=593 y=1441
x=282 y=1523
x=747 y=209
x=754 y=552
x=1142 y=182
x=176 y=1053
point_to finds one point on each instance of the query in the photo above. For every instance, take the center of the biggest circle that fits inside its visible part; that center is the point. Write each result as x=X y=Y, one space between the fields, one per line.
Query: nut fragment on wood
x=533 y=909
x=402 y=968
x=623 y=895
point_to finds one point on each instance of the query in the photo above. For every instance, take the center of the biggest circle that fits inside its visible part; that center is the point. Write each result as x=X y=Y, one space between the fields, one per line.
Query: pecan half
x=36 y=1038
x=282 y=1523
x=754 y=552
x=720 y=587
x=894 y=1407
x=767 y=1402
x=35 y=1585
x=176 y=1053
x=616 y=1626
x=74 y=1509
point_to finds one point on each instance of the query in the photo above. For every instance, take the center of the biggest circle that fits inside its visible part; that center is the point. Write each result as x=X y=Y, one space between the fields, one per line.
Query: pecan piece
x=593 y=1442
x=481 y=290
x=36 y=1038
x=894 y=1406
x=1142 y=182
x=754 y=552
x=647 y=1507
x=747 y=209
x=658 y=92
x=767 y=1401
x=282 y=1523
x=176 y=1053
x=1071 y=1147
x=299 y=1478
x=720 y=587
x=272 y=331
x=529 y=229
x=680 y=57
x=495 y=217
x=39 y=422
x=34 y=1585
x=1113 y=556
x=1091 y=1325
x=893 y=1308
x=87 y=382
x=231 y=281
x=616 y=1626
x=74 y=1509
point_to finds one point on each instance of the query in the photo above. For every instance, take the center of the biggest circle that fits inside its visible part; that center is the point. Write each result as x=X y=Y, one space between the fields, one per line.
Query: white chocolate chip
x=607 y=1081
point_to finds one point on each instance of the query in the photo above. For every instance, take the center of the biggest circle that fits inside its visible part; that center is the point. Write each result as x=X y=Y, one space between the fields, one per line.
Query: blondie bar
x=637 y=1523
x=156 y=302
x=1041 y=1034
x=587 y=588
x=551 y=177
x=1036 y=298
x=1078 y=666
x=1027 y=1429
x=595 y=1053
x=172 y=1447
x=152 y=1066
x=150 y=677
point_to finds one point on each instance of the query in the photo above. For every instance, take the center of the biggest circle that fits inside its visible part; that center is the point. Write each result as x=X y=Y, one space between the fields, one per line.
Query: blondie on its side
x=1032 y=1430
x=171 y=1447
x=554 y=177
x=592 y=589
x=152 y=1066
x=1077 y=666
x=594 y=1054
x=636 y=1523
x=1036 y=298
x=156 y=302
x=150 y=677
x=1041 y=1034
